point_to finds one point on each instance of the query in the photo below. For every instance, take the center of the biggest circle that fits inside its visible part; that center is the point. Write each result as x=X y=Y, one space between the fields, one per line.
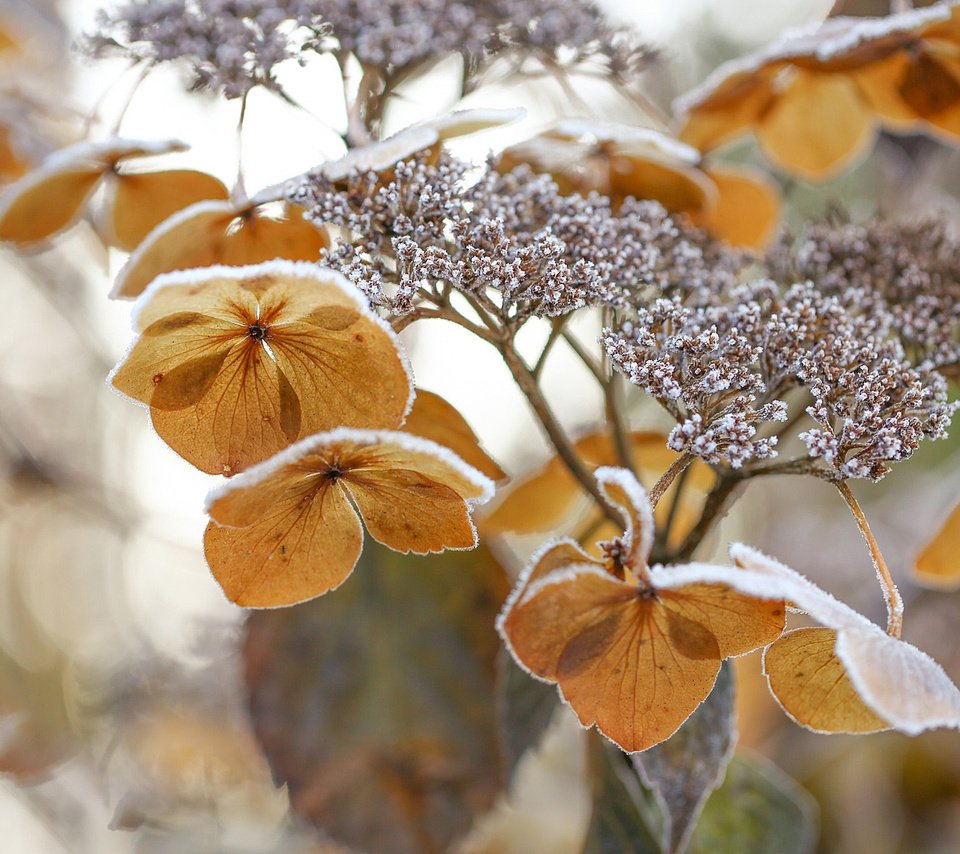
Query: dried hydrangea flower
x=815 y=98
x=514 y=235
x=230 y=45
x=905 y=276
x=233 y=45
x=633 y=649
x=737 y=204
x=723 y=369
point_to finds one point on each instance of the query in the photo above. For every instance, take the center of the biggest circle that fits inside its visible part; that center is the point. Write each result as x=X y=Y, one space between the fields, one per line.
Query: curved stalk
x=890 y=592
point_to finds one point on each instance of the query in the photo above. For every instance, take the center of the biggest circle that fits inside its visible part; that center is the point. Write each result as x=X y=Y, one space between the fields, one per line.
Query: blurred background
x=123 y=723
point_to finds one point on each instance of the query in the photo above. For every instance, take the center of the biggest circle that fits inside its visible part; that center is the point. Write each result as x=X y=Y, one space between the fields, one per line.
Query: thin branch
x=444 y=312
x=561 y=443
x=555 y=331
x=890 y=592
x=713 y=510
x=617 y=425
x=615 y=421
x=678 y=466
x=583 y=355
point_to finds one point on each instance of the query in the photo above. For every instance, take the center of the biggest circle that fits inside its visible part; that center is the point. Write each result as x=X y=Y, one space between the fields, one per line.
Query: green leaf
x=758 y=809
x=683 y=770
x=526 y=708
x=375 y=704
x=622 y=818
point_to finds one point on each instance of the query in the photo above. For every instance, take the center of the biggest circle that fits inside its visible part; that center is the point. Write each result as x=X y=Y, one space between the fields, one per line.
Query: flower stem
x=667 y=478
x=561 y=443
x=890 y=592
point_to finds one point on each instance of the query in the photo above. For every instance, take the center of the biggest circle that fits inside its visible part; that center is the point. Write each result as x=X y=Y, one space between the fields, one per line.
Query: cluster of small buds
x=541 y=253
x=233 y=45
x=732 y=435
x=709 y=366
x=872 y=409
x=705 y=365
x=230 y=45
x=904 y=277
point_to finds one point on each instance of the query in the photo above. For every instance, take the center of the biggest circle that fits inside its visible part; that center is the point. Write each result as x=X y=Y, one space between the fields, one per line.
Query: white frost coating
x=466 y=122
x=521 y=594
x=160 y=231
x=641 y=542
x=826 y=41
x=629 y=136
x=363 y=438
x=405 y=143
x=104 y=152
x=90 y=155
x=379 y=155
x=790 y=585
x=567 y=574
x=899 y=682
x=279 y=267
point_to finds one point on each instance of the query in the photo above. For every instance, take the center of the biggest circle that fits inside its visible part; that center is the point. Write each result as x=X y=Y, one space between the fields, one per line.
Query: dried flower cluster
x=905 y=276
x=232 y=45
x=723 y=369
x=545 y=254
x=399 y=34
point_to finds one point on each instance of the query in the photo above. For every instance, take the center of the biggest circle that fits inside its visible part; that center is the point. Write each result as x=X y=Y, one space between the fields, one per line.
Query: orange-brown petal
x=739 y=622
x=938 y=565
x=137 y=203
x=345 y=368
x=679 y=187
x=731 y=110
x=819 y=125
x=747 y=207
x=623 y=661
x=214 y=232
x=434 y=418
x=812 y=684
x=307 y=544
x=247 y=412
x=880 y=84
x=45 y=202
x=409 y=512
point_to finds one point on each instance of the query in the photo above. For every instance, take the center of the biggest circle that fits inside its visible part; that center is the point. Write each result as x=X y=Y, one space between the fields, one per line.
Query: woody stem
x=890 y=592
x=561 y=443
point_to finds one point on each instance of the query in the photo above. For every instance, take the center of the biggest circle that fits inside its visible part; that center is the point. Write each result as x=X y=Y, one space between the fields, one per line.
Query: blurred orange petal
x=747 y=209
x=137 y=203
x=215 y=232
x=938 y=565
x=732 y=109
x=818 y=127
x=52 y=197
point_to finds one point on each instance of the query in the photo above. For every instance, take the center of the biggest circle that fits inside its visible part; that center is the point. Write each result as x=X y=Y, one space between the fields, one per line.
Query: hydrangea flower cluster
x=543 y=253
x=721 y=369
x=904 y=276
x=232 y=45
